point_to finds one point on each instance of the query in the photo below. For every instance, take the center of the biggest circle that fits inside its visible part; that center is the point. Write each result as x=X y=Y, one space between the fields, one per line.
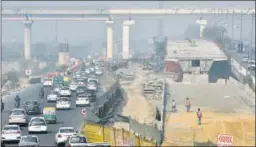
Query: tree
x=13 y=76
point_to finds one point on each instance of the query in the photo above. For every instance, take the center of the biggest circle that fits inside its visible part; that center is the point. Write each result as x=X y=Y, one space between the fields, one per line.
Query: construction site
x=194 y=70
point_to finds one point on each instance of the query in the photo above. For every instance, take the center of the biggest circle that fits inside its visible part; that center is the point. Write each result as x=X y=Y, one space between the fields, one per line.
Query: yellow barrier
x=94 y=133
x=116 y=137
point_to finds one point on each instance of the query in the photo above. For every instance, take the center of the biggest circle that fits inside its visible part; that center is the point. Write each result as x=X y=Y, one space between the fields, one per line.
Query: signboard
x=83 y=112
x=225 y=140
x=28 y=72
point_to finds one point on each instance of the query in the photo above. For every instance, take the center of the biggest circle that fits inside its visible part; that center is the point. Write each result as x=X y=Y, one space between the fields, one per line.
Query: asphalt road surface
x=65 y=118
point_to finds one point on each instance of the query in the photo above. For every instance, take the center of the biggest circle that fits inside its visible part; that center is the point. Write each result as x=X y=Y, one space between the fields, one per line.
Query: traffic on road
x=55 y=118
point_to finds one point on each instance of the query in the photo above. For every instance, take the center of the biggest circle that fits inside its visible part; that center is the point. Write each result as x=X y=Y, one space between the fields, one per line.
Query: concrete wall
x=186 y=66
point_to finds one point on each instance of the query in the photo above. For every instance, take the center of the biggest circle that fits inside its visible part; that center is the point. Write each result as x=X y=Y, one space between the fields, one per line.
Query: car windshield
x=31 y=102
x=37 y=121
x=78 y=139
x=18 y=112
x=29 y=139
x=7 y=128
x=53 y=93
x=91 y=84
x=63 y=99
x=65 y=88
x=67 y=130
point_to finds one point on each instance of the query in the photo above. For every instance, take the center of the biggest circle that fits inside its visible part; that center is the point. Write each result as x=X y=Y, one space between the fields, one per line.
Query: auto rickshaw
x=49 y=114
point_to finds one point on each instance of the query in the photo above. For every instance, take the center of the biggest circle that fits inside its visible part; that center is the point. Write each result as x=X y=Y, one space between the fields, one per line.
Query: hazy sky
x=79 y=32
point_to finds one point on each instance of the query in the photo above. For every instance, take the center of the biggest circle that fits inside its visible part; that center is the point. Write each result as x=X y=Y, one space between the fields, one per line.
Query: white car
x=52 y=96
x=18 y=116
x=48 y=82
x=91 y=86
x=82 y=100
x=73 y=86
x=63 y=133
x=29 y=140
x=77 y=140
x=92 y=69
x=57 y=89
x=11 y=133
x=88 y=71
x=37 y=124
x=65 y=91
x=63 y=103
x=98 y=72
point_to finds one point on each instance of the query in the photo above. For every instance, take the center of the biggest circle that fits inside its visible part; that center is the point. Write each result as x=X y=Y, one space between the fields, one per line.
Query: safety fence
x=96 y=133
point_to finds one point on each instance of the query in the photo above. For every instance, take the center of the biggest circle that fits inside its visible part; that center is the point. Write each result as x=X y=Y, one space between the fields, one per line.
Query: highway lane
x=67 y=118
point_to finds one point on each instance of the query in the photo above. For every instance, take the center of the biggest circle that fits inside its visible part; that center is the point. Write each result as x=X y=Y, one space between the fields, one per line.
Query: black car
x=32 y=107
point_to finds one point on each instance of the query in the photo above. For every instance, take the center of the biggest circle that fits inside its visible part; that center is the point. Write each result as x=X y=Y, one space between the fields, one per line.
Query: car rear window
x=38 y=121
x=6 y=128
x=78 y=139
x=31 y=103
x=18 y=112
x=53 y=92
x=67 y=130
x=29 y=139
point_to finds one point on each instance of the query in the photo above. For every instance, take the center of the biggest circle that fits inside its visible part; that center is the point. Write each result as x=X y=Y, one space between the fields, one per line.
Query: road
x=68 y=118
x=239 y=58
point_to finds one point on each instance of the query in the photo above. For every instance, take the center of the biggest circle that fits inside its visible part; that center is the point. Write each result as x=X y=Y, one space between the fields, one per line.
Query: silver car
x=29 y=141
x=18 y=116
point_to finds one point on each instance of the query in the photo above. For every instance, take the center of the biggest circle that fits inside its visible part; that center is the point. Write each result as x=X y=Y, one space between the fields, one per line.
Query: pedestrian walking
x=173 y=106
x=188 y=104
x=199 y=116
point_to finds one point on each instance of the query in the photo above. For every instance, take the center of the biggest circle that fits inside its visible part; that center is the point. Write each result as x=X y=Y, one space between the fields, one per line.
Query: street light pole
x=241 y=31
x=232 y=35
x=251 y=46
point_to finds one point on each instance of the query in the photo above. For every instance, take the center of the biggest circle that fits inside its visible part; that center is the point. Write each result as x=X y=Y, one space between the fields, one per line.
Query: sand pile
x=137 y=107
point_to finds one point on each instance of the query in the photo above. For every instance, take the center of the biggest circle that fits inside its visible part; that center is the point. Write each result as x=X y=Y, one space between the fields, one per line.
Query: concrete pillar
x=27 y=39
x=109 y=39
x=63 y=58
x=126 y=38
x=202 y=24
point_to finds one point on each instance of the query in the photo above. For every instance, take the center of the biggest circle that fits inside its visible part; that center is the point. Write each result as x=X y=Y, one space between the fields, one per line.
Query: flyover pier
x=27 y=39
x=126 y=38
x=109 y=38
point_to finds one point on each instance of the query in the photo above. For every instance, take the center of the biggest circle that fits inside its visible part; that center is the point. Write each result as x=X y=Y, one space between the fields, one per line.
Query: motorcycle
x=41 y=95
x=2 y=107
x=17 y=104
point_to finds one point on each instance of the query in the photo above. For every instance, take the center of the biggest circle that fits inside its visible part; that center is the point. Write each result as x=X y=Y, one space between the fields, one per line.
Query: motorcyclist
x=2 y=105
x=41 y=93
x=17 y=100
